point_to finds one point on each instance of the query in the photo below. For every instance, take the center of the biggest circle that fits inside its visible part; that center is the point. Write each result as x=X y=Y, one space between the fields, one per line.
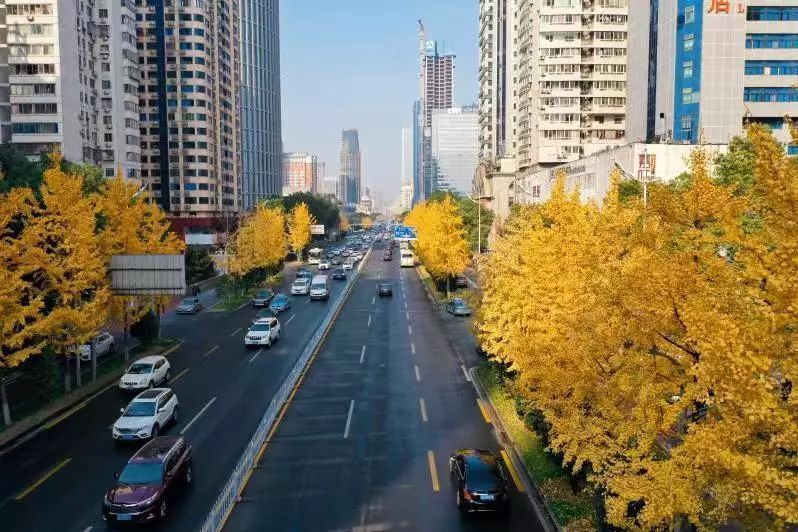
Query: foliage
x=321 y=208
x=260 y=241
x=145 y=329
x=736 y=168
x=343 y=223
x=299 y=222
x=662 y=362
x=199 y=264
x=18 y=171
x=469 y=210
x=441 y=243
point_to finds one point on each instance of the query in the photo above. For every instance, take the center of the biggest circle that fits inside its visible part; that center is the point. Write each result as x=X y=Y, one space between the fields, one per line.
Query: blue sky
x=354 y=64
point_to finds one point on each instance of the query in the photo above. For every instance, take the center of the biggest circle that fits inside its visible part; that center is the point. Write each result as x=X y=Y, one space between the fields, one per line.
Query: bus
x=314 y=255
x=406 y=260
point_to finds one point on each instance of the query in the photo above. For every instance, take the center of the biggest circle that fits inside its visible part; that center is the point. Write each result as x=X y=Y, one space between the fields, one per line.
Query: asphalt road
x=56 y=481
x=364 y=444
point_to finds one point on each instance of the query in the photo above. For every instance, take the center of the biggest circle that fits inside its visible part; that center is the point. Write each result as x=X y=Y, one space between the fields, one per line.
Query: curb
x=430 y=295
x=545 y=516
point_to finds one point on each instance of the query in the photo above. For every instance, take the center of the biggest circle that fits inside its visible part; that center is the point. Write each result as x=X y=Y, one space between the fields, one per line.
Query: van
x=319 y=287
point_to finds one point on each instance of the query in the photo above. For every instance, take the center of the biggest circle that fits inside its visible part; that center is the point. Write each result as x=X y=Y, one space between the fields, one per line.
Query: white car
x=103 y=344
x=348 y=265
x=324 y=265
x=265 y=331
x=146 y=372
x=146 y=415
x=301 y=287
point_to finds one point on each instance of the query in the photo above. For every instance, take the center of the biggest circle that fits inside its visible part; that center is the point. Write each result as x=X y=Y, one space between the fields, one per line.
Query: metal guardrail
x=230 y=493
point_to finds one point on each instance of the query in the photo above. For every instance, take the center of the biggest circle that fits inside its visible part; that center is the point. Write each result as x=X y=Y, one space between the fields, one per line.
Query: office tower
x=261 y=133
x=406 y=197
x=406 y=170
x=377 y=201
x=418 y=152
x=72 y=74
x=455 y=147
x=349 y=187
x=495 y=78
x=190 y=109
x=701 y=70
x=300 y=172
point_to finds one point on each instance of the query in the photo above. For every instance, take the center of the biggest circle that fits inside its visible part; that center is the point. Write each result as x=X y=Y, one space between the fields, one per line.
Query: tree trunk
x=448 y=291
x=4 y=401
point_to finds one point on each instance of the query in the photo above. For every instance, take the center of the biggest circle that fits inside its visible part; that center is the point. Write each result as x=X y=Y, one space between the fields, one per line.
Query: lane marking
x=373 y=299
x=349 y=418
x=418 y=374
x=179 y=375
x=369 y=320
x=409 y=329
x=289 y=319
x=65 y=415
x=484 y=410
x=405 y=303
x=256 y=355
x=423 y=406
x=465 y=372
x=433 y=471
x=363 y=354
x=407 y=315
x=513 y=473
x=195 y=418
x=236 y=331
x=27 y=491
x=413 y=347
x=309 y=300
x=88 y=529
x=172 y=349
x=210 y=351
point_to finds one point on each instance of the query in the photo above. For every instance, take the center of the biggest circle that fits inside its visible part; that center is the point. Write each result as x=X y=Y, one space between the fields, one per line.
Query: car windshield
x=301 y=282
x=140 y=369
x=279 y=299
x=140 y=409
x=318 y=286
x=339 y=271
x=150 y=473
x=188 y=301
x=260 y=327
x=483 y=473
x=263 y=294
x=460 y=303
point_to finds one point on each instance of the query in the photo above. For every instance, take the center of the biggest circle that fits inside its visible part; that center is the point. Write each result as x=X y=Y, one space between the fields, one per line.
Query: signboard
x=151 y=275
x=317 y=229
x=402 y=232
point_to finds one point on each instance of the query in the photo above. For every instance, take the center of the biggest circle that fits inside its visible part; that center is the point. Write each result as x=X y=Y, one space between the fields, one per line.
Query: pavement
x=364 y=443
x=56 y=480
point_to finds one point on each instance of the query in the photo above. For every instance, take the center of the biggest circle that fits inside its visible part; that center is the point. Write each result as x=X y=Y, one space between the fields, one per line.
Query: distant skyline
x=353 y=64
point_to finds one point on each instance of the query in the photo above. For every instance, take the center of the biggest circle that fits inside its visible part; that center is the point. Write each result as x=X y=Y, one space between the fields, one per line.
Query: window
x=35 y=128
x=108 y=137
x=689 y=14
x=771 y=40
x=771 y=68
x=772 y=13
x=689 y=42
x=687 y=69
x=770 y=94
x=687 y=95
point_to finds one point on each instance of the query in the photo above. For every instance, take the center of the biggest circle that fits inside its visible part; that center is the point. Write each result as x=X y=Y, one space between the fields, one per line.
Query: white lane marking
x=309 y=300
x=423 y=405
x=210 y=351
x=88 y=529
x=236 y=332
x=413 y=347
x=409 y=329
x=289 y=319
x=373 y=299
x=195 y=418
x=178 y=376
x=465 y=372
x=363 y=354
x=405 y=303
x=369 y=320
x=407 y=314
x=349 y=418
x=418 y=374
x=256 y=355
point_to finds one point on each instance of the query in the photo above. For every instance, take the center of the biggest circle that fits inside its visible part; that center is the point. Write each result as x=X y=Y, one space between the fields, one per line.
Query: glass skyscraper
x=349 y=184
x=455 y=147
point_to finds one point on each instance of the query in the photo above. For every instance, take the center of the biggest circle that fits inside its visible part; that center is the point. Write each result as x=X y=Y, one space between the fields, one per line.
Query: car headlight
x=143 y=431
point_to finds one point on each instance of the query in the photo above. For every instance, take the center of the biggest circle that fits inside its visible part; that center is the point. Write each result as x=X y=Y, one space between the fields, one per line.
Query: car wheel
x=111 y=349
x=175 y=415
x=168 y=375
x=162 y=510
x=155 y=431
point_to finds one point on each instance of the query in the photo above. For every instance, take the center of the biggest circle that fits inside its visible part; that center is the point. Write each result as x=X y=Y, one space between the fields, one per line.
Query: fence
x=230 y=493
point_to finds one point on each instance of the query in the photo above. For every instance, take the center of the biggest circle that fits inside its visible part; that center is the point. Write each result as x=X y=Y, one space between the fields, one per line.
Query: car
x=304 y=273
x=152 y=478
x=330 y=254
x=461 y=281
x=384 y=289
x=346 y=253
x=280 y=303
x=189 y=305
x=336 y=252
x=364 y=246
x=301 y=287
x=146 y=372
x=146 y=415
x=265 y=331
x=339 y=274
x=357 y=256
x=387 y=256
x=480 y=480
x=458 y=307
x=324 y=265
x=103 y=344
x=262 y=298
x=336 y=261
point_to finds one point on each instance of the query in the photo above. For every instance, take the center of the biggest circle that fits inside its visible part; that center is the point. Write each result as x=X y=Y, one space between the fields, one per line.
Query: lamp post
x=478 y=201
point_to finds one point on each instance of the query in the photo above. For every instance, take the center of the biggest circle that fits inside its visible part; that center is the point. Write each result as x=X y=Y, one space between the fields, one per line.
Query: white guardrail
x=229 y=495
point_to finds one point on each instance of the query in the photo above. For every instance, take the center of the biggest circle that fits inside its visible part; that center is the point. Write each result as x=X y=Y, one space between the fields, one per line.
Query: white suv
x=145 y=372
x=265 y=331
x=146 y=415
x=301 y=287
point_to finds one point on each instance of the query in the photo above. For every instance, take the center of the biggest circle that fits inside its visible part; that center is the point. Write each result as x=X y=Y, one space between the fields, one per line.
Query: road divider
x=418 y=374
x=369 y=320
x=256 y=355
x=363 y=354
x=433 y=471
x=236 y=332
x=199 y=415
x=412 y=348
x=55 y=469
x=289 y=320
x=65 y=415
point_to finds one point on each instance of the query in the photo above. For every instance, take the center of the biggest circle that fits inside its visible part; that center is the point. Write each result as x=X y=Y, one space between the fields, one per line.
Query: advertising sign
x=317 y=229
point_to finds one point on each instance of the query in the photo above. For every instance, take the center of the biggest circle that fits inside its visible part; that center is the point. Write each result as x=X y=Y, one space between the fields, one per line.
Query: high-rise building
x=350 y=169
x=455 y=147
x=261 y=135
x=701 y=69
x=406 y=197
x=190 y=109
x=418 y=152
x=406 y=170
x=72 y=77
x=300 y=172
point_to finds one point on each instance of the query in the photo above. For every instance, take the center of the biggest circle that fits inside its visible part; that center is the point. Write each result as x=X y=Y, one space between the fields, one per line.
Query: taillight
x=467 y=495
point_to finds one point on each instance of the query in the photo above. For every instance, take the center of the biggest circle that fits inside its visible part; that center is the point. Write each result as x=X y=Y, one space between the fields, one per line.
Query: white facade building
x=455 y=148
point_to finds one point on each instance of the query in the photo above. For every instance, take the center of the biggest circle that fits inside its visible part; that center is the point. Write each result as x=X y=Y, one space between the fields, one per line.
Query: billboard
x=138 y=275
x=402 y=232
x=317 y=229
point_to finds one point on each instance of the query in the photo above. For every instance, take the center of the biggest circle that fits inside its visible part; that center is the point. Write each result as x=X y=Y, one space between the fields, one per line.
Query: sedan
x=458 y=307
x=384 y=289
x=189 y=305
x=324 y=265
x=480 y=481
x=348 y=265
x=146 y=372
x=303 y=272
x=339 y=274
x=387 y=256
x=262 y=298
x=280 y=303
x=146 y=415
x=103 y=344
x=300 y=287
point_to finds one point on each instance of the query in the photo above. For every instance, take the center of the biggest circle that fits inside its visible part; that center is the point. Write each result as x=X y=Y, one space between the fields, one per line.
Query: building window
x=687 y=95
x=689 y=42
x=772 y=13
x=771 y=40
x=35 y=128
x=770 y=94
x=689 y=14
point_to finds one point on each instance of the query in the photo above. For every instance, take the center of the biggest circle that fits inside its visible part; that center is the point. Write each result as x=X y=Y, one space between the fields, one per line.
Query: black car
x=262 y=298
x=304 y=273
x=461 y=281
x=150 y=481
x=280 y=303
x=384 y=289
x=481 y=481
x=387 y=256
x=339 y=274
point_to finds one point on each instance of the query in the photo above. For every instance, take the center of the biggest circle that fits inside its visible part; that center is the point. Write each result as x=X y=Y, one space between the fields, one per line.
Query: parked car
x=152 y=478
x=103 y=344
x=458 y=307
x=262 y=298
x=339 y=274
x=384 y=289
x=263 y=332
x=324 y=265
x=189 y=305
x=146 y=372
x=300 y=287
x=480 y=480
x=461 y=281
x=280 y=303
x=146 y=415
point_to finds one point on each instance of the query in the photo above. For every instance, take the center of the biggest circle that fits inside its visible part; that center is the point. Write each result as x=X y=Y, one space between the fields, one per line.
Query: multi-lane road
x=363 y=444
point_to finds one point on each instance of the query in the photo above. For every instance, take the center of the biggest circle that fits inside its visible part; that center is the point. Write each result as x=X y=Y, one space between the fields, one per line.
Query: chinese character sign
x=725 y=7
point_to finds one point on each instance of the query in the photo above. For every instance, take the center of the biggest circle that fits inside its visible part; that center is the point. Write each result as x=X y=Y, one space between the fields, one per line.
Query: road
x=56 y=480
x=364 y=444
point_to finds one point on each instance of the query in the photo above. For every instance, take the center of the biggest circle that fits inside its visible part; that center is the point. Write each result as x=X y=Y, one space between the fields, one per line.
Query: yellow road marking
x=65 y=415
x=210 y=351
x=42 y=480
x=179 y=375
x=513 y=473
x=433 y=471
x=484 y=410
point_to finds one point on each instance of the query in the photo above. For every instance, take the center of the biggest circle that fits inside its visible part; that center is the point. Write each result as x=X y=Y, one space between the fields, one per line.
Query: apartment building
x=300 y=173
x=190 y=108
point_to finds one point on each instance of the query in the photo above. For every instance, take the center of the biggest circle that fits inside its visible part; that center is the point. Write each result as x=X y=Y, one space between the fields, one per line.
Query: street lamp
x=479 y=221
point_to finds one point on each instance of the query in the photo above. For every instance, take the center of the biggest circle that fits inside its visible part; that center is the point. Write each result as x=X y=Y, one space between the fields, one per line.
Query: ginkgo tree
x=259 y=243
x=299 y=222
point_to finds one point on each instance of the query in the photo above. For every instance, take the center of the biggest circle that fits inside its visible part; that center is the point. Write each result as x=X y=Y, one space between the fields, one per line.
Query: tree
x=736 y=167
x=323 y=210
x=343 y=223
x=299 y=222
x=17 y=170
x=199 y=264
x=260 y=242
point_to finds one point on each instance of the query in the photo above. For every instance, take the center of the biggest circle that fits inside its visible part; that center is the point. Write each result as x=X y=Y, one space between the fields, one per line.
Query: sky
x=354 y=64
